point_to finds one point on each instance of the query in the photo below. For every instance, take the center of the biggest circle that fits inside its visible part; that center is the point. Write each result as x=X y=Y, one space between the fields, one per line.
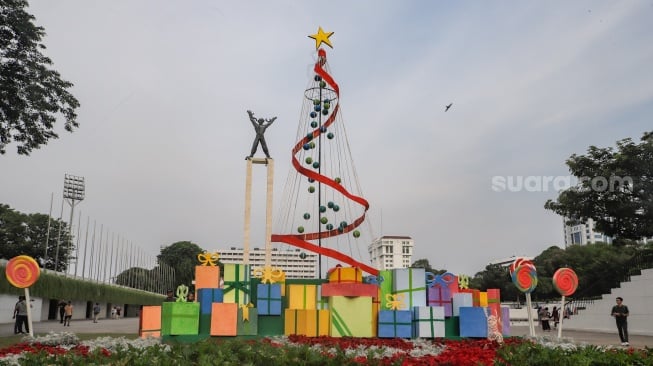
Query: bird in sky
x=446 y=108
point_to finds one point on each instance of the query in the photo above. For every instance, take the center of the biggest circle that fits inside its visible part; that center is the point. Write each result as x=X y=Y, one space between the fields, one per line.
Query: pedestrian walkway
x=130 y=326
x=104 y=326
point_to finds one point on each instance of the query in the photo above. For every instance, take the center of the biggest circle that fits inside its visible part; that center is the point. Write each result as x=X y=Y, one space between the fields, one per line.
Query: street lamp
x=73 y=192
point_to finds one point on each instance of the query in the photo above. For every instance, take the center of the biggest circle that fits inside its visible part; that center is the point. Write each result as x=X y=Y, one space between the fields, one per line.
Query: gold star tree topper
x=321 y=37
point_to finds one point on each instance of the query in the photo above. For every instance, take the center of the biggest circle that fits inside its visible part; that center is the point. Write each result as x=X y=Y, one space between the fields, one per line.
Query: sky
x=164 y=87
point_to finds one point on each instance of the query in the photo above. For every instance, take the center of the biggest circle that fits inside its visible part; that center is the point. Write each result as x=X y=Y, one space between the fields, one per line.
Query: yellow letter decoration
x=269 y=274
x=395 y=302
x=208 y=259
x=463 y=281
x=182 y=292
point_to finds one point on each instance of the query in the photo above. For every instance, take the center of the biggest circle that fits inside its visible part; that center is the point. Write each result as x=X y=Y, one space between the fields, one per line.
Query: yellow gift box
x=310 y=323
x=302 y=297
x=345 y=275
x=482 y=299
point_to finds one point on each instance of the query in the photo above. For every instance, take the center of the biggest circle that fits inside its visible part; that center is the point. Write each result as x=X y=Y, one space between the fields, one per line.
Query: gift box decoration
x=307 y=322
x=412 y=283
x=236 y=283
x=473 y=321
x=482 y=299
x=351 y=316
x=224 y=319
x=385 y=280
x=268 y=299
x=494 y=301
x=476 y=295
x=207 y=296
x=428 y=322
x=439 y=295
x=247 y=320
x=270 y=325
x=149 y=324
x=395 y=324
x=339 y=274
x=459 y=300
x=180 y=318
x=321 y=303
x=207 y=277
x=505 y=321
x=302 y=296
x=349 y=289
x=452 y=327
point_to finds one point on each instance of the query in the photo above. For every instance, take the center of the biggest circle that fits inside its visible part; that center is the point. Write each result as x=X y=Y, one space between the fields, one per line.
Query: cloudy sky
x=164 y=86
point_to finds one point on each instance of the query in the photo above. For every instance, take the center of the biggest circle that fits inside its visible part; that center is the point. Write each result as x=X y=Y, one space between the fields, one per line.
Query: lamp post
x=73 y=193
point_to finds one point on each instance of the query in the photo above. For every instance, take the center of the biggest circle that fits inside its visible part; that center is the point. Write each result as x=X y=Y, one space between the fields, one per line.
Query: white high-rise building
x=295 y=263
x=583 y=234
x=389 y=252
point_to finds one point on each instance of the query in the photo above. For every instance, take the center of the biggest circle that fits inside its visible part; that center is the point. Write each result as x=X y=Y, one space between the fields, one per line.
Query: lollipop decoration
x=565 y=282
x=524 y=276
x=22 y=271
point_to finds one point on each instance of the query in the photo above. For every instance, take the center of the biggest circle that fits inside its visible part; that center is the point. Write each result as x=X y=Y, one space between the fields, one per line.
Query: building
x=389 y=252
x=583 y=234
x=295 y=263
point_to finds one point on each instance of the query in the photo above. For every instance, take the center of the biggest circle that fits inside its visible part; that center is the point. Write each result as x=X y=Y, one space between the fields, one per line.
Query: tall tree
x=26 y=234
x=182 y=257
x=32 y=94
x=424 y=263
x=615 y=189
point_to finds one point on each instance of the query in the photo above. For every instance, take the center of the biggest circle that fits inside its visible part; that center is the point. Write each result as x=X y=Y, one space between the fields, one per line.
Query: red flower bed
x=36 y=348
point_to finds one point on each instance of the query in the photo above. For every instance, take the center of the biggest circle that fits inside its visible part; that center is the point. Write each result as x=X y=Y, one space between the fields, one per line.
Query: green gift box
x=236 y=283
x=386 y=287
x=351 y=316
x=247 y=326
x=180 y=318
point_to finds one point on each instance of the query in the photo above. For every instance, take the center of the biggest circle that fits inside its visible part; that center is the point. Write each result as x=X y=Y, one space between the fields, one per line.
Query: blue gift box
x=268 y=298
x=473 y=321
x=395 y=324
x=207 y=296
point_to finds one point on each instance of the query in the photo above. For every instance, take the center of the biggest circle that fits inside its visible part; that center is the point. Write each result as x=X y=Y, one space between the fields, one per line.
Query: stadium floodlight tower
x=73 y=193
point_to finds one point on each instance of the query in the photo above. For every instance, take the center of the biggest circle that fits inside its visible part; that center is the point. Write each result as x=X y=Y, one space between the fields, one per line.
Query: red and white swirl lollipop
x=22 y=271
x=565 y=281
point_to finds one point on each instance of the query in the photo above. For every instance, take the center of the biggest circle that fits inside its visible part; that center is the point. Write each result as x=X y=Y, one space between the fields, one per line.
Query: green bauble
x=316 y=101
x=324 y=220
x=330 y=135
x=312 y=144
x=308 y=160
x=311 y=189
x=326 y=105
x=357 y=233
x=343 y=224
x=330 y=204
x=336 y=208
x=307 y=216
x=338 y=180
x=314 y=124
x=322 y=209
x=322 y=84
x=302 y=255
x=300 y=229
x=316 y=164
x=329 y=227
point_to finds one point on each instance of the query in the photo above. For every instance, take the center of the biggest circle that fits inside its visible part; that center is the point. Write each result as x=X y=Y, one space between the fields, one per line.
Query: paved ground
x=130 y=326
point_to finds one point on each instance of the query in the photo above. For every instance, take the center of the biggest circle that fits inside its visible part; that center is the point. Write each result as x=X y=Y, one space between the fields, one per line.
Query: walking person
x=620 y=313
x=62 y=310
x=96 y=312
x=20 y=314
x=113 y=312
x=69 y=313
x=556 y=316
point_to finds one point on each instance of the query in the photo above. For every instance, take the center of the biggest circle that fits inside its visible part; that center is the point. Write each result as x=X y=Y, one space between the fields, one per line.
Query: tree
x=32 y=94
x=182 y=257
x=615 y=190
x=424 y=263
x=26 y=234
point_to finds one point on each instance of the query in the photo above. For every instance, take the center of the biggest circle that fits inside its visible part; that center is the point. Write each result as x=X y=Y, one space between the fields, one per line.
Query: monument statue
x=260 y=126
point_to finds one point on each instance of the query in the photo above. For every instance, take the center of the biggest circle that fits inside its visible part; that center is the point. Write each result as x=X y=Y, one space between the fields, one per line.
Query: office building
x=389 y=252
x=295 y=263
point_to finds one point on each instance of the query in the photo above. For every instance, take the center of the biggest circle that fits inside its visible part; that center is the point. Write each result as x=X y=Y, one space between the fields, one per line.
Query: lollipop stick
x=29 y=312
x=531 y=328
x=561 y=311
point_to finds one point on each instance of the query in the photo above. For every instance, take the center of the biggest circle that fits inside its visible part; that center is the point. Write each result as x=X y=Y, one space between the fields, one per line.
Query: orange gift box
x=224 y=319
x=149 y=324
x=207 y=277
